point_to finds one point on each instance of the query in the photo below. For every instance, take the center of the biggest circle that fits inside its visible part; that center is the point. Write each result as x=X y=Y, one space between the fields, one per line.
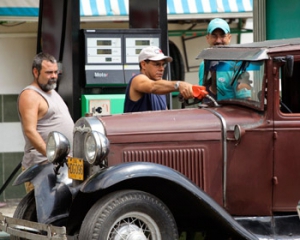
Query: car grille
x=78 y=144
x=187 y=161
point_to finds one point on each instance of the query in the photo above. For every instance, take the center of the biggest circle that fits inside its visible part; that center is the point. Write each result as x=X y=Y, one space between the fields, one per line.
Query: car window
x=290 y=89
x=235 y=81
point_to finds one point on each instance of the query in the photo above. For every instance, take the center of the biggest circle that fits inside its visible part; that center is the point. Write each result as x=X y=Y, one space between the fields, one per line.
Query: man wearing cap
x=218 y=33
x=146 y=90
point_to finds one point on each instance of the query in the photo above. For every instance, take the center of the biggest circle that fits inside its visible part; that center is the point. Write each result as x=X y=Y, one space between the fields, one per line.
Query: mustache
x=52 y=81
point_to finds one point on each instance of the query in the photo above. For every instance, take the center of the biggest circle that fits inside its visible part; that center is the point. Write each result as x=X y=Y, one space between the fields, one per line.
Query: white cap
x=154 y=54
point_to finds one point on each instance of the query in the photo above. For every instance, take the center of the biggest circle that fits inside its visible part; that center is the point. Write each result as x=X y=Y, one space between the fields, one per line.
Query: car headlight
x=57 y=147
x=96 y=147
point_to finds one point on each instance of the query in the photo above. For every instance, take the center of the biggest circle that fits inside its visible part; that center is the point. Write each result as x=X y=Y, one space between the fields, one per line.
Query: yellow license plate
x=75 y=168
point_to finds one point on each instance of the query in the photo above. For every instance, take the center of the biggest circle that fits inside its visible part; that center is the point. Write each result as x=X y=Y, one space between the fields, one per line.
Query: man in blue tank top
x=146 y=91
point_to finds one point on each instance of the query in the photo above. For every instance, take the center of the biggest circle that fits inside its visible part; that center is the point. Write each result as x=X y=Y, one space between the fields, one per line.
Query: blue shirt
x=148 y=102
x=224 y=77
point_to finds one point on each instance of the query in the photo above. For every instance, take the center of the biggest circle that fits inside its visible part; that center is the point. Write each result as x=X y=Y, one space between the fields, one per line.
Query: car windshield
x=238 y=82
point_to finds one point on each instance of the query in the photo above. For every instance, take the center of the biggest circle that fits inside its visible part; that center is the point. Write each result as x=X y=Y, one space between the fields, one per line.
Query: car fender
x=28 y=174
x=114 y=175
x=52 y=196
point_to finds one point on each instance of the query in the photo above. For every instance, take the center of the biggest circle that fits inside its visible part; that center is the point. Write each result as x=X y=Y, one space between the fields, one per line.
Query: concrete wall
x=17 y=47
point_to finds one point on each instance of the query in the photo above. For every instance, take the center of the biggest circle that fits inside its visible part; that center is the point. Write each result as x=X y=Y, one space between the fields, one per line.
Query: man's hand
x=186 y=90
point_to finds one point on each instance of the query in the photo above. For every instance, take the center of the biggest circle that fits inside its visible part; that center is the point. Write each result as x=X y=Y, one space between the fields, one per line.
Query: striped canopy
x=110 y=10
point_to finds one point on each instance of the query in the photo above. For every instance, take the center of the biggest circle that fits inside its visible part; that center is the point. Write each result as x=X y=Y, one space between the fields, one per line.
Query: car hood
x=174 y=125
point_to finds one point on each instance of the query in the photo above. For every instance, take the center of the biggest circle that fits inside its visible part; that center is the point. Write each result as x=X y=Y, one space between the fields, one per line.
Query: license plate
x=75 y=168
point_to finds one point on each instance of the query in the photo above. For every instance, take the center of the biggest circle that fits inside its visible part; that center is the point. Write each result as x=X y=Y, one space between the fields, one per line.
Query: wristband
x=176 y=86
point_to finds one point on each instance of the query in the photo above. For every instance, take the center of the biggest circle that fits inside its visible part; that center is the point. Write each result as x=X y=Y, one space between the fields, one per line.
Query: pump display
x=111 y=56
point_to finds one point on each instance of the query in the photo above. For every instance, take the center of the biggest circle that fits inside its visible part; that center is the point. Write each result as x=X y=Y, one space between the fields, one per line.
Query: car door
x=286 y=177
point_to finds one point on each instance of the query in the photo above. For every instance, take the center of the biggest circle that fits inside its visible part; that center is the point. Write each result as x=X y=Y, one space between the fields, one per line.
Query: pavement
x=8 y=210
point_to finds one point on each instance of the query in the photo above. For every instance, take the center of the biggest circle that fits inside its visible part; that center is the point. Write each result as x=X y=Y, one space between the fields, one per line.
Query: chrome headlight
x=57 y=147
x=96 y=147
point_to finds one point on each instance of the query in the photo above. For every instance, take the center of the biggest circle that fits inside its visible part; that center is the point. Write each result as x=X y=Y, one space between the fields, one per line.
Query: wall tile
x=1 y=108
x=9 y=105
x=1 y=175
x=11 y=137
x=10 y=162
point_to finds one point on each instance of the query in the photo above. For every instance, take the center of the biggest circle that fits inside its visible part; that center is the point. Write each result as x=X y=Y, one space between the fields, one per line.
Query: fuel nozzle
x=199 y=92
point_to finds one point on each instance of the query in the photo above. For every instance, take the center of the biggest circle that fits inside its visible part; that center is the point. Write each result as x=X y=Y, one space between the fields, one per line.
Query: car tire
x=129 y=214
x=26 y=210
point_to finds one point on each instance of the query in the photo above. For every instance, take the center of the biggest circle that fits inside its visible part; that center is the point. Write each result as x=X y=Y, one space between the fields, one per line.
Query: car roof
x=250 y=51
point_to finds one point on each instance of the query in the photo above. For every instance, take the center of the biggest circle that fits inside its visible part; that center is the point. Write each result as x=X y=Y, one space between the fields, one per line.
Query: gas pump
x=111 y=59
x=98 y=63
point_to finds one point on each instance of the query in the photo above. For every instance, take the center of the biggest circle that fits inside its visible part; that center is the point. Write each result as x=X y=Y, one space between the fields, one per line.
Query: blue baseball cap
x=218 y=23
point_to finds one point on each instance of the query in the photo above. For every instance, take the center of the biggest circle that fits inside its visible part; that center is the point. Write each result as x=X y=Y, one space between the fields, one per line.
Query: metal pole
x=10 y=177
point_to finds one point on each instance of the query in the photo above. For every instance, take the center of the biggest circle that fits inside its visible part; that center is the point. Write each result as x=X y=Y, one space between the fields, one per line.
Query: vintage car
x=221 y=168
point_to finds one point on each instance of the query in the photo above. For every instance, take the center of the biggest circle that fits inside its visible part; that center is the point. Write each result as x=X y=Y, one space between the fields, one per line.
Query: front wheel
x=26 y=210
x=129 y=214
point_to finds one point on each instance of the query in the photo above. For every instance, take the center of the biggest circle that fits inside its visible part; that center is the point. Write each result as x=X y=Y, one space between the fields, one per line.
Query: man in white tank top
x=42 y=110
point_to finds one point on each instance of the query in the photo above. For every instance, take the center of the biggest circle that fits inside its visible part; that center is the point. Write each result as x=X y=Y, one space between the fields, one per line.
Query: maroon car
x=224 y=168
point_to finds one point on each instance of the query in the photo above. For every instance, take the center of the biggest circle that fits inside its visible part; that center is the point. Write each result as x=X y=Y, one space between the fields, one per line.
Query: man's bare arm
x=142 y=84
x=32 y=107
